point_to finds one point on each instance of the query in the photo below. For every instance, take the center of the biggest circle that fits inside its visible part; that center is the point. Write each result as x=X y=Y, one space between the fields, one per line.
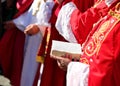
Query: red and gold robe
x=82 y=23
x=102 y=50
x=52 y=74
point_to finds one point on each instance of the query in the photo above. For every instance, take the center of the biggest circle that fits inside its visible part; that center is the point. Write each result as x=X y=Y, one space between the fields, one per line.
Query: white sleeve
x=63 y=22
x=20 y=22
x=77 y=74
x=45 y=12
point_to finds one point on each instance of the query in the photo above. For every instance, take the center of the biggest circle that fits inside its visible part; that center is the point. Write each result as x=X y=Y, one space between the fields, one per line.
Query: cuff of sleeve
x=63 y=22
x=77 y=74
x=18 y=25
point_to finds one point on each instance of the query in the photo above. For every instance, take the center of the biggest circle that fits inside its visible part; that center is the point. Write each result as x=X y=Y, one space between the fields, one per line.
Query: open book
x=60 y=48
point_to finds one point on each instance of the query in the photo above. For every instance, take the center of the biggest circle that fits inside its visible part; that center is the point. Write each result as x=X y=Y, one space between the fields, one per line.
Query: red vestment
x=102 y=51
x=11 y=51
x=52 y=74
x=82 y=23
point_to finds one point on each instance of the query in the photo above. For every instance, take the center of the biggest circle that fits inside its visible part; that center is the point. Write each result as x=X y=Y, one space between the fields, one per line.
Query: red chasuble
x=102 y=51
x=52 y=74
x=11 y=52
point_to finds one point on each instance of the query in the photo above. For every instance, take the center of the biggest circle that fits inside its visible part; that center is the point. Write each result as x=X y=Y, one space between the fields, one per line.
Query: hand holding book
x=62 y=49
x=65 y=52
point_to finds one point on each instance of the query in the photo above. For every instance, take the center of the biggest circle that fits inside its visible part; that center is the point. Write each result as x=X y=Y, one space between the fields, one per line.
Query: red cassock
x=12 y=49
x=82 y=23
x=102 y=50
x=52 y=74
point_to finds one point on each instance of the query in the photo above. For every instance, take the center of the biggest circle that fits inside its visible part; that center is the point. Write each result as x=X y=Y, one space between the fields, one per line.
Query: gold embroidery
x=84 y=60
x=90 y=49
x=37 y=6
x=104 y=27
x=40 y=59
x=114 y=14
x=93 y=46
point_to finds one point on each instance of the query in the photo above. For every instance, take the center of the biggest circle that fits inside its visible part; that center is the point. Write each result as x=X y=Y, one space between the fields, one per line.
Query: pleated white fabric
x=77 y=74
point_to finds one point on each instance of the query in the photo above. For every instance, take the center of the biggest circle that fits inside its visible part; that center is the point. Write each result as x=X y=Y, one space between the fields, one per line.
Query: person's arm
x=82 y=23
x=63 y=25
x=43 y=17
x=74 y=25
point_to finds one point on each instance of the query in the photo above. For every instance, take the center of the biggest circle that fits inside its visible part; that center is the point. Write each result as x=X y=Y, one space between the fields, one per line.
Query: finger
x=56 y=57
x=58 y=62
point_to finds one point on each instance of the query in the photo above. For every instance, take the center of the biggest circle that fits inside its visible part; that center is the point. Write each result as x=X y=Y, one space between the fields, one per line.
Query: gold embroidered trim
x=84 y=60
x=95 y=45
x=36 y=8
x=40 y=59
x=114 y=14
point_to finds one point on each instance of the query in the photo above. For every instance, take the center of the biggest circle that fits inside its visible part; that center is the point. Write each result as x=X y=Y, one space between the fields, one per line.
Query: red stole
x=93 y=44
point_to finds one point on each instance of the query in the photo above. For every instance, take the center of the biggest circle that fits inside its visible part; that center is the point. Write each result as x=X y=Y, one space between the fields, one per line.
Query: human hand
x=9 y=25
x=62 y=61
x=32 y=29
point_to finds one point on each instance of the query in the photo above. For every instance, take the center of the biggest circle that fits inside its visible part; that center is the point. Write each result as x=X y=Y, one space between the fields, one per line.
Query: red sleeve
x=83 y=5
x=82 y=23
x=116 y=69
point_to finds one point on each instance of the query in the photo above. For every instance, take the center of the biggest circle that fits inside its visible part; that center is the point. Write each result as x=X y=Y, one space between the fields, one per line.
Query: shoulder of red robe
x=22 y=6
